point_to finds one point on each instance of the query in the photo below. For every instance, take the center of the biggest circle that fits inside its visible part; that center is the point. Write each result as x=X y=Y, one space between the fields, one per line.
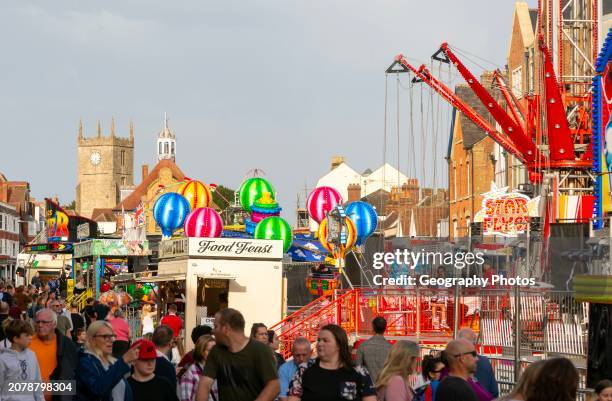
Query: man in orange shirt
x=56 y=353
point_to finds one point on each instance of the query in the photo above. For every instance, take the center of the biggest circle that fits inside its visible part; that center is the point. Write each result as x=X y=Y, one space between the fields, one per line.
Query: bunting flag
x=139 y=215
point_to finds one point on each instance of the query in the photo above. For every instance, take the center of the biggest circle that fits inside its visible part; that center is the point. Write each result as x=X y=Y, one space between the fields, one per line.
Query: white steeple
x=166 y=143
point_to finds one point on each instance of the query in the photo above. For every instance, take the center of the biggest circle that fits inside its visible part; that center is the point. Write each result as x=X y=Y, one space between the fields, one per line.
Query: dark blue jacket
x=485 y=376
x=93 y=383
x=164 y=368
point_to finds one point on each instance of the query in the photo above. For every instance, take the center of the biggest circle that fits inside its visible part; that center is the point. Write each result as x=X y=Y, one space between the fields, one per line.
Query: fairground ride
x=550 y=132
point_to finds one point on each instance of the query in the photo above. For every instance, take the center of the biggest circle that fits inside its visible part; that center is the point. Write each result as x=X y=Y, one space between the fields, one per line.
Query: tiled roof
x=132 y=201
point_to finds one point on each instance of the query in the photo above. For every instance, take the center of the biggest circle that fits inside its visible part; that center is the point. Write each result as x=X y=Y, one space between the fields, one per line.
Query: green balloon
x=274 y=228
x=131 y=288
x=252 y=189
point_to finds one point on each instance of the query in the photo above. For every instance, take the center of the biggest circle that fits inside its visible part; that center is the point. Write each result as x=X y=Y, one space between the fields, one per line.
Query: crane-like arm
x=424 y=75
x=518 y=111
x=511 y=128
x=558 y=133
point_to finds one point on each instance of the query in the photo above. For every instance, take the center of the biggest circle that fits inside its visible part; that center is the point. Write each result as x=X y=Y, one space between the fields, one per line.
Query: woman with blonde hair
x=392 y=383
x=99 y=376
x=147 y=319
x=524 y=386
x=188 y=381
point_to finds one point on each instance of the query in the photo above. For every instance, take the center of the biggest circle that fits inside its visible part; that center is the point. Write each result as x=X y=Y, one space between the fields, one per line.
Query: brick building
x=9 y=240
x=471 y=162
x=17 y=194
x=408 y=210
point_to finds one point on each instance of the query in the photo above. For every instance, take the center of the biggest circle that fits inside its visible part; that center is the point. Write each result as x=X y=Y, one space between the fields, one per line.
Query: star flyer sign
x=506 y=213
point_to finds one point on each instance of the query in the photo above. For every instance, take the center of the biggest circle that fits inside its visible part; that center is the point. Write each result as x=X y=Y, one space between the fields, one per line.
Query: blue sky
x=276 y=85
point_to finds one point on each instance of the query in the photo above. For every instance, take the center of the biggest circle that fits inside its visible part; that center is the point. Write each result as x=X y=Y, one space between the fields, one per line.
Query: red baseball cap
x=147 y=349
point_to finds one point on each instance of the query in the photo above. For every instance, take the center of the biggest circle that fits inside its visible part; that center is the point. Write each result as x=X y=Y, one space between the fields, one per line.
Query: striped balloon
x=322 y=200
x=253 y=189
x=197 y=194
x=365 y=218
x=338 y=251
x=274 y=228
x=170 y=211
x=203 y=222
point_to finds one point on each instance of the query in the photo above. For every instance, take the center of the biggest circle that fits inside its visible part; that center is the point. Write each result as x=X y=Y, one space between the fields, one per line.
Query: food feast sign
x=222 y=248
x=505 y=213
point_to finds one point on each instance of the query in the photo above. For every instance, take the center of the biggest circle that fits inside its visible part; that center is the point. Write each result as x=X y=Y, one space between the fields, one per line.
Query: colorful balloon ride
x=170 y=211
x=274 y=228
x=251 y=190
x=203 y=222
x=321 y=201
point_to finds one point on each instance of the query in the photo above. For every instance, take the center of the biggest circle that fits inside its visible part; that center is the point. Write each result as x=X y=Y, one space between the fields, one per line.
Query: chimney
x=354 y=192
x=145 y=171
x=336 y=161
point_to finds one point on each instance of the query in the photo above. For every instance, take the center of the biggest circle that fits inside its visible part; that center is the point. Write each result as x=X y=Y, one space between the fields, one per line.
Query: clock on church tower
x=105 y=164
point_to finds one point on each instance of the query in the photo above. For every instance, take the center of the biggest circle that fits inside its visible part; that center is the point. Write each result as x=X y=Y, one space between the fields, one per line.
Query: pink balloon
x=322 y=200
x=203 y=222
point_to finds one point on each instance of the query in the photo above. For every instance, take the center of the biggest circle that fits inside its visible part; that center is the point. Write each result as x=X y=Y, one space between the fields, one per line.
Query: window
x=1 y=247
x=122 y=158
x=172 y=148
x=14 y=249
x=166 y=148
x=467 y=165
x=455 y=183
x=123 y=181
x=517 y=82
x=160 y=148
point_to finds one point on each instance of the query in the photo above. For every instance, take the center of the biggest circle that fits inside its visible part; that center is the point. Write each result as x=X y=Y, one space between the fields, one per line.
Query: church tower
x=166 y=143
x=105 y=165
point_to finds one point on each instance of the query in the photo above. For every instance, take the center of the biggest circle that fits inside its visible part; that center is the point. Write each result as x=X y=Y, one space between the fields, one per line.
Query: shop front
x=98 y=260
x=244 y=274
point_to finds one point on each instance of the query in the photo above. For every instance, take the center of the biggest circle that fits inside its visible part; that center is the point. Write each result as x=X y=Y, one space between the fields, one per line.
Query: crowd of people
x=42 y=341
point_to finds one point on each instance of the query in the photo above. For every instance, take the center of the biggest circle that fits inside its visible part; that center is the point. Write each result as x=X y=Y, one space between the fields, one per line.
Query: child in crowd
x=81 y=337
x=18 y=364
x=145 y=385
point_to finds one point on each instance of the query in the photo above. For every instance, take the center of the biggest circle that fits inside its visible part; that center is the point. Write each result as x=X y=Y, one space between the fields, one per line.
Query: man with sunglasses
x=462 y=358
x=484 y=371
x=56 y=353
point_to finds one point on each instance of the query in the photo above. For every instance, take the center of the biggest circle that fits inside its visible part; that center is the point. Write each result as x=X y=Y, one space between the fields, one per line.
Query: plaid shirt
x=188 y=384
x=372 y=354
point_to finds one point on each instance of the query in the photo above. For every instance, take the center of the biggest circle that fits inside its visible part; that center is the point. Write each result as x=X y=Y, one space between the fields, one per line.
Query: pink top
x=396 y=390
x=121 y=329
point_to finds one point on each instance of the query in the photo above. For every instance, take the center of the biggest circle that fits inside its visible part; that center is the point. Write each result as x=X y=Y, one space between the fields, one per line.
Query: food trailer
x=244 y=274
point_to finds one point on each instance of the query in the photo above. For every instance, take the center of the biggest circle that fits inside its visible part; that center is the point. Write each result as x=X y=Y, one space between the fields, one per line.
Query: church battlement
x=110 y=140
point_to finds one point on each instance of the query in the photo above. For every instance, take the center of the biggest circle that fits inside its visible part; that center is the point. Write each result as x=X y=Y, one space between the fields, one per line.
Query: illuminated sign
x=505 y=213
x=601 y=139
x=57 y=222
x=52 y=247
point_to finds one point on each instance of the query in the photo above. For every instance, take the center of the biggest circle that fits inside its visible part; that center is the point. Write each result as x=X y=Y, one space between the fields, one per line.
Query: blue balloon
x=365 y=218
x=170 y=211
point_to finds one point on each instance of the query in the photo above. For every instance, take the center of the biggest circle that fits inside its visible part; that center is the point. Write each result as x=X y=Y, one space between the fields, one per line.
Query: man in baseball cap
x=146 y=386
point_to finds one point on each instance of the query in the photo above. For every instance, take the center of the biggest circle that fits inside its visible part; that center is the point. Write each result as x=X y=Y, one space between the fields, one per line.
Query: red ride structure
x=549 y=133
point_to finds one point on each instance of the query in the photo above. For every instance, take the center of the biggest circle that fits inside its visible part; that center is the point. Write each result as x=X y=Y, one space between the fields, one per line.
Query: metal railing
x=80 y=299
x=550 y=323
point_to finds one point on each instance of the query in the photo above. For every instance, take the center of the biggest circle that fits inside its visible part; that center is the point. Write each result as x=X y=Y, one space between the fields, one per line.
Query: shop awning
x=163 y=277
